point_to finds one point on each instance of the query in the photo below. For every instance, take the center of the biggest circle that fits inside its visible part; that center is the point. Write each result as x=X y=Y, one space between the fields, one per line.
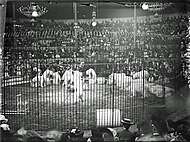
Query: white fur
x=135 y=89
x=47 y=77
x=73 y=80
x=139 y=75
x=67 y=77
x=101 y=80
x=77 y=85
x=56 y=78
x=128 y=80
x=37 y=81
x=116 y=78
x=47 y=73
x=91 y=73
x=42 y=80
x=139 y=81
x=6 y=74
x=157 y=90
x=91 y=76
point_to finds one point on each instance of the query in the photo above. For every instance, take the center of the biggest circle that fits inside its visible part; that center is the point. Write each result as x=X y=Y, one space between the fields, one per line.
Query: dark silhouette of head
x=144 y=127
x=159 y=124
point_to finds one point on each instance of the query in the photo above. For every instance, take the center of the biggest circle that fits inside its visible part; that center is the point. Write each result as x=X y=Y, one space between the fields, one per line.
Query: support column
x=3 y=6
x=75 y=22
x=135 y=24
x=76 y=44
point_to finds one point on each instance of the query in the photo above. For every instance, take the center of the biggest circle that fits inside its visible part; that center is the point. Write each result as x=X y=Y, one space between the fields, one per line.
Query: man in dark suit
x=126 y=135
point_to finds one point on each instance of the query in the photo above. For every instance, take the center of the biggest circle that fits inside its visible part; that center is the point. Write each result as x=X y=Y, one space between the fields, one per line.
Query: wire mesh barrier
x=54 y=80
x=55 y=105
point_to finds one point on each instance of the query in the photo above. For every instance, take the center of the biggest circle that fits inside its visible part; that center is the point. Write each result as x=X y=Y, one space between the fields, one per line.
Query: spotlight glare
x=93 y=24
x=34 y=13
x=145 y=6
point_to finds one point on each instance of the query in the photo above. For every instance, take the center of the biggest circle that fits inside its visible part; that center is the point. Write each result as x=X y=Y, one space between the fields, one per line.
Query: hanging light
x=94 y=23
x=145 y=6
x=2 y=5
x=32 y=10
x=155 y=6
x=34 y=14
x=94 y=18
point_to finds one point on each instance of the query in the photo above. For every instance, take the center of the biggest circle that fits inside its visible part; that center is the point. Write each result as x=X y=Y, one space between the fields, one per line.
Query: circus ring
x=52 y=106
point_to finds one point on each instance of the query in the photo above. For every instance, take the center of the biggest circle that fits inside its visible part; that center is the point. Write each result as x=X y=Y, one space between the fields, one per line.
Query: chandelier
x=155 y=6
x=151 y=6
x=32 y=10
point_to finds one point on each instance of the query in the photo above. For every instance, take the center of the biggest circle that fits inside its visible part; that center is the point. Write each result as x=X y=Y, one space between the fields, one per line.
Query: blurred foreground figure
x=158 y=133
x=96 y=136
x=53 y=135
x=143 y=128
x=5 y=133
x=23 y=135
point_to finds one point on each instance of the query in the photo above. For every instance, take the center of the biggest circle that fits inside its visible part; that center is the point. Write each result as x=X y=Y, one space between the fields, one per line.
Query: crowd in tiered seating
x=108 y=42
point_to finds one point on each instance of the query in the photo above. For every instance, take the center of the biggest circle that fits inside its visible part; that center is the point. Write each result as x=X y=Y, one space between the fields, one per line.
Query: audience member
x=96 y=135
x=126 y=135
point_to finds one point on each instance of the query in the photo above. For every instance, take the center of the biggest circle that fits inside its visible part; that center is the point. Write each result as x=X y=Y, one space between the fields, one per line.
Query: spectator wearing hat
x=126 y=135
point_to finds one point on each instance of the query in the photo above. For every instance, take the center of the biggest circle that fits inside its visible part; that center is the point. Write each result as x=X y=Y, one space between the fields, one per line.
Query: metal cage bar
x=54 y=105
